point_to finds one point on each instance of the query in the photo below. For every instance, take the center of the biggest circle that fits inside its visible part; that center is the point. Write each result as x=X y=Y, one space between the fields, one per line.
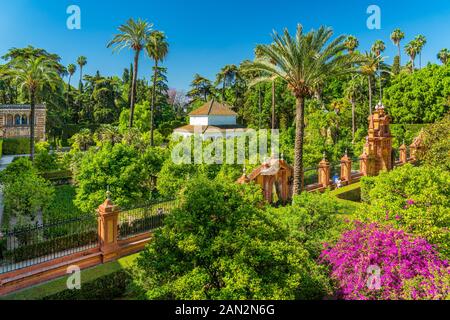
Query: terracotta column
x=412 y=151
x=346 y=169
x=403 y=156
x=364 y=164
x=108 y=222
x=324 y=172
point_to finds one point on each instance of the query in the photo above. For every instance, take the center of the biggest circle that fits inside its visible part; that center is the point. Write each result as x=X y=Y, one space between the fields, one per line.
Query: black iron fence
x=23 y=247
x=136 y=221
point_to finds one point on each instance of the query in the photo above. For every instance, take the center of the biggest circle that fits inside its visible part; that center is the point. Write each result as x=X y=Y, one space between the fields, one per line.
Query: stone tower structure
x=377 y=154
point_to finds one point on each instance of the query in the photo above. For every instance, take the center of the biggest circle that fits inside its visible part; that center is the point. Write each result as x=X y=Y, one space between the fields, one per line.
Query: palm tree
x=378 y=47
x=71 y=68
x=81 y=61
x=83 y=138
x=303 y=61
x=109 y=134
x=353 y=92
x=157 y=49
x=411 y=49
x=397 y=36
x=444 y=56
x=369 y=66
x=421 y=42
x=33 y=75
x=351 y=43
x=133 y=35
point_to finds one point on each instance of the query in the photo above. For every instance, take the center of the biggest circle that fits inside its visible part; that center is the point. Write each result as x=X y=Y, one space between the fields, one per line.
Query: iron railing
x=23 y=247
x=140 y=220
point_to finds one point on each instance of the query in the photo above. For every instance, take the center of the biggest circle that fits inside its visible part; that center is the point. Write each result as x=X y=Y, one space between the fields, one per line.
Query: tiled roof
x=210 y=129
x=213 y=108
x=20 y=106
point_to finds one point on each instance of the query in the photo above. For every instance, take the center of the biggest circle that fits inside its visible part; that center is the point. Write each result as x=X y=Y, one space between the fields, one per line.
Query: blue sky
x=204 y=35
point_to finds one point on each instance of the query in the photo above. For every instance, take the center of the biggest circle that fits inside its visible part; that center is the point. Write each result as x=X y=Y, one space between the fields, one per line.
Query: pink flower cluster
x=399 y=257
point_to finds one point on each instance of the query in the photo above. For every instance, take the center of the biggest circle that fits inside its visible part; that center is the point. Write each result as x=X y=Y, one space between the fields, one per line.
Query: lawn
x=62 y=206
x=56 y=286
x=349 y=197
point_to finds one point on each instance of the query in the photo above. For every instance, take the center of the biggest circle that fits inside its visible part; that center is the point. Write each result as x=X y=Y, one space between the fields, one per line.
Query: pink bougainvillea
x=373 y=261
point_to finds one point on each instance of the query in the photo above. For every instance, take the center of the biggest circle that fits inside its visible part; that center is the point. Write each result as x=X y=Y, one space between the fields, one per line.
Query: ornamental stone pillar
x=403 y=155
x=324 y=172
x=346 y=169
x=108 y=222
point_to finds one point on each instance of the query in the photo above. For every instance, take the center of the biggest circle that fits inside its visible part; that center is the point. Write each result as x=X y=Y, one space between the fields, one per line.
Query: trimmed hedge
x=13 y=146
x=107 y=287
x=58 y=177
x=53 y=246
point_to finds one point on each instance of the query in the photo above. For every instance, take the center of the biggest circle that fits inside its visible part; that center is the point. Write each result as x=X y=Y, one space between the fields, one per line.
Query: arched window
x=24 y=120
x=17 y=120
x=9 y=120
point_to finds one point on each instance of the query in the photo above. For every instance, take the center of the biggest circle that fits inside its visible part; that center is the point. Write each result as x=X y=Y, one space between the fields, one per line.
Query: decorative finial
x=108 y=193
x=346 y=152
x=282 y=156
x=244 y=170
x=324 y=155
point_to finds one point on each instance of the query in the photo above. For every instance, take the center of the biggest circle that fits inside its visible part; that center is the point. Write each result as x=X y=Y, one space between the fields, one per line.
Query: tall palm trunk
x=370 y=94
x=32 y=115
x=353 y=120
x=299 y=136
x=223 y=90
x=399 y=54
x=273 y=104
x=152 y=111
x=133 y=87
x=259 y=107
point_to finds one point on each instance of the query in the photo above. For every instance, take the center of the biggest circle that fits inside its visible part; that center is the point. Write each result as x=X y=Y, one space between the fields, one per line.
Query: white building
x=212 y=120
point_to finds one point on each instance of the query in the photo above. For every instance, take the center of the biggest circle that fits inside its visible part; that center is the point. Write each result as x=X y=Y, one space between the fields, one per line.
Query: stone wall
x=15 y=121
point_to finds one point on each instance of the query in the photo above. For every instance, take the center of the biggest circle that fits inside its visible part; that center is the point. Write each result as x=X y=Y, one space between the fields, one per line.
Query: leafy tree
x=304 y=62
x=133 y=35
x=121 y=167
x=202 y=90
x=25 y=193
x=414 y=199
x=436 y=144
x=219 y=245
x=420 y=97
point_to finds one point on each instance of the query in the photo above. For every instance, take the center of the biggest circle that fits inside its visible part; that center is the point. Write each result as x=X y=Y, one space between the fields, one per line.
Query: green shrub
x=107 y=287
x=1 y=148
x=58 y=177
x=12 y=146
x=52 y=246
x=414 y=199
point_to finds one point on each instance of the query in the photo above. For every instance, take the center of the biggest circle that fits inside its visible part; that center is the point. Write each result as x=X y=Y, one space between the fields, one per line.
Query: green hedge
x=1 y=148
x=107 y=287
x=44 y=248
x=59 y=177
x=13 y=146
